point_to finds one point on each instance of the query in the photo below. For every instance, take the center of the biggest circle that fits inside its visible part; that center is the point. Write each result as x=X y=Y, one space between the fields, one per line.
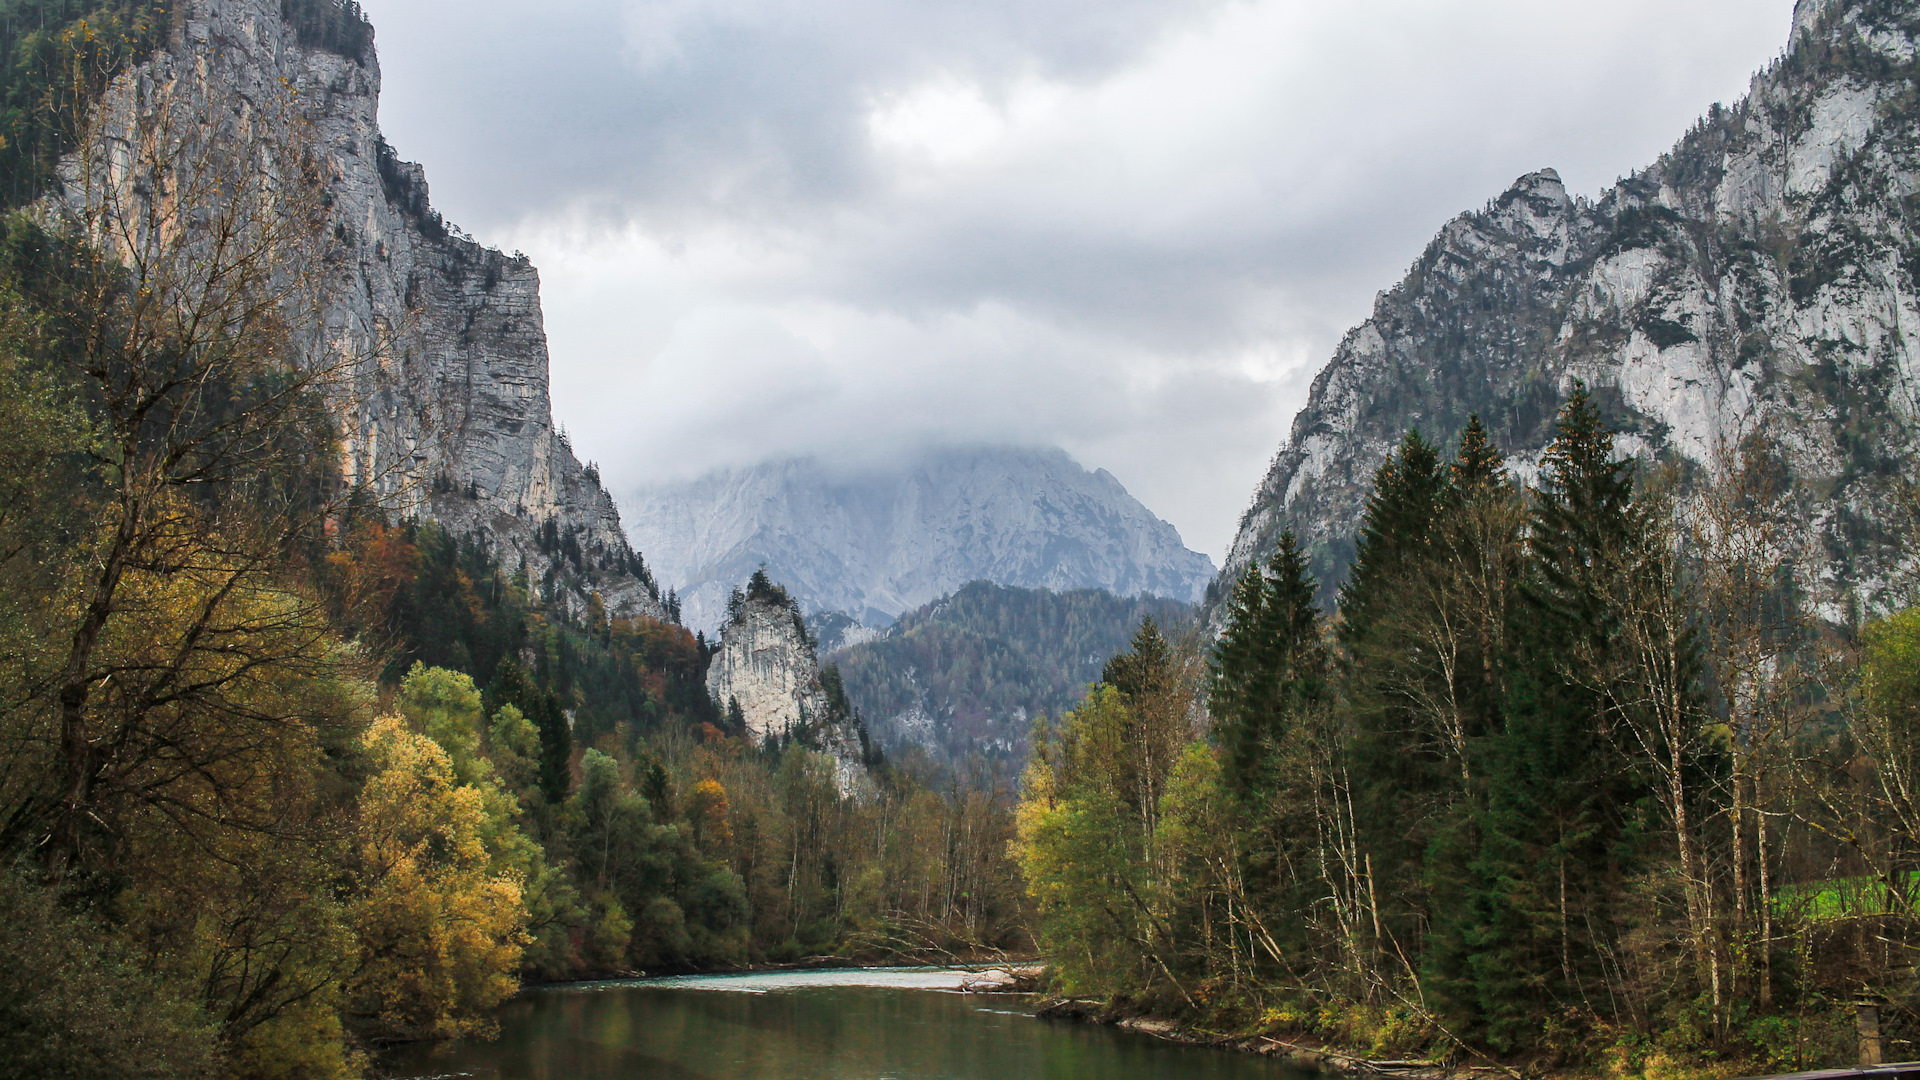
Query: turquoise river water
x=887 y=1024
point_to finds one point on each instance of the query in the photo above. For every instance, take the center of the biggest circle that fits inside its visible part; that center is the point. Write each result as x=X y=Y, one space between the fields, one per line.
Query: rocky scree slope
x=449 y=420
x=881 y=541
x=1761 y=278
x=767 y=669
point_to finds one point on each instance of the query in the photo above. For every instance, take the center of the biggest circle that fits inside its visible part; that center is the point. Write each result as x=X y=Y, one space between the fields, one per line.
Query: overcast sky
x=1131 y=228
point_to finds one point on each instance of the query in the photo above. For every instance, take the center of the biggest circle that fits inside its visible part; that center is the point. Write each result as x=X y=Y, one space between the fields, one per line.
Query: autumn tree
x=1090 y=838
x=440 y=928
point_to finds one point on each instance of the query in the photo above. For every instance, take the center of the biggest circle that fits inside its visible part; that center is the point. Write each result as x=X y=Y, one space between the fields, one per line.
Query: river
x=874 y=1024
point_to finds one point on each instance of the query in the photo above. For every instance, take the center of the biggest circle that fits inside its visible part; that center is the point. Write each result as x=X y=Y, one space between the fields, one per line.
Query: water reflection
x=809 y=1026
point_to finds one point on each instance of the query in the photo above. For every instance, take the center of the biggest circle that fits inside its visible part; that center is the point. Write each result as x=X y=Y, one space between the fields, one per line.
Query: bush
x=75 y=1004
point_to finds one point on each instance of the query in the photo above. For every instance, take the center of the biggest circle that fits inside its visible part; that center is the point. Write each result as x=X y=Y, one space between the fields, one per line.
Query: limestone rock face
x=449 y=417
x=1761 y=278
x=877 y=542
x=767 y=665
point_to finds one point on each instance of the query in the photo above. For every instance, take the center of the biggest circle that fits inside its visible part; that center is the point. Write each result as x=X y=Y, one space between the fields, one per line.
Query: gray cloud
x=1134 y=229
x=736 y=107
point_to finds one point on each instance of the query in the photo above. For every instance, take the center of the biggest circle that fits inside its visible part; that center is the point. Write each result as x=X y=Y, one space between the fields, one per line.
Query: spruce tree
x=1268 y=665
x=1584 y=509
x=1478 y=466
x=513 y=686
x=1407 y=492
x=1554 y=839
x=1398 y=755
x=1146 y=669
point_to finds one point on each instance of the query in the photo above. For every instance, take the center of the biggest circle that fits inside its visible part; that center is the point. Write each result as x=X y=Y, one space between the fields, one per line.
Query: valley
x=1554 y=710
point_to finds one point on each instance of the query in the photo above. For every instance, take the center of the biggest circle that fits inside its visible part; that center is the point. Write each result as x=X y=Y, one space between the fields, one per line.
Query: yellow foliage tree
x=440 y=929
x=708 y=810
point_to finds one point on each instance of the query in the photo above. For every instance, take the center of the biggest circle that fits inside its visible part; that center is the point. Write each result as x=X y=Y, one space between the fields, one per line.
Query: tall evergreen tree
x=1400 y=756
x=1408 y=491
x=513 y=686
x=1269 y=663
x=1144 y=670
x=1478 y=465
x=1584 y=509
x=1554 y=834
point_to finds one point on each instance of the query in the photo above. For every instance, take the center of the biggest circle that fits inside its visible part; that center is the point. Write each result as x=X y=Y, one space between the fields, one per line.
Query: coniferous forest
x=1576 y=776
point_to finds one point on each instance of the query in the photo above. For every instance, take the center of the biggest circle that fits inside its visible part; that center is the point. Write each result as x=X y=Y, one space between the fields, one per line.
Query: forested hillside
x=967 y=673
x=287 y=773
x=1574 y=778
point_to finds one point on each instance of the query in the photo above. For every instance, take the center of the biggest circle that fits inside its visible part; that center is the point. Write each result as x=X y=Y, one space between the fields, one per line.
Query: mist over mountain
x=878 y=540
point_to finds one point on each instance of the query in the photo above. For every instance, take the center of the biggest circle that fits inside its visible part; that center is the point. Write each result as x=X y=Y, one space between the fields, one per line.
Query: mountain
x=1760 y=279
x=445 y=413
x=968 y=673
x=878 y=541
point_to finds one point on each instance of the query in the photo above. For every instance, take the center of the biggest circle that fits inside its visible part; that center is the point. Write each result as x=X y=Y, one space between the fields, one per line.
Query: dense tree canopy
x=1571 y=778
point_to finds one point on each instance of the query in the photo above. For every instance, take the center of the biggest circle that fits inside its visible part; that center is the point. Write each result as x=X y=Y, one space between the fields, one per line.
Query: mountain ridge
x=1756 y=280
x=877 y=541
x=967 y=674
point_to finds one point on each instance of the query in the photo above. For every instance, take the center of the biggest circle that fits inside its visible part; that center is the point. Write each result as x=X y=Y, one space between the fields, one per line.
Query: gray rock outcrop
x=447 y=417
x=766 y=665
x=877 y=542
x=1761 y=278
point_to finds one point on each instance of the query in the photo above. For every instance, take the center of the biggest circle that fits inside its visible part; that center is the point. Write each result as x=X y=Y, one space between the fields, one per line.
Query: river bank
x=1307 y=1053
x=997 y=976
x=1301 y=1052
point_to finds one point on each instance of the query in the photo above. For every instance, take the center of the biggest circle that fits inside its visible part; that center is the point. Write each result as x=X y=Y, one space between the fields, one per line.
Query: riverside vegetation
x=1574 y=777
x=284 y=778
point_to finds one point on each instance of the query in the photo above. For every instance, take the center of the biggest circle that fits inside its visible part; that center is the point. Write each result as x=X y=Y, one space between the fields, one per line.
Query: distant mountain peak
x=877 y=540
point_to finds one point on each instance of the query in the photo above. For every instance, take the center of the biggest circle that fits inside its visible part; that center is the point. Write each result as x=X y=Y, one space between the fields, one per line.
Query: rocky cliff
x=447 y=416
x=880 y=541
x=767 y=670
x=1761 y=278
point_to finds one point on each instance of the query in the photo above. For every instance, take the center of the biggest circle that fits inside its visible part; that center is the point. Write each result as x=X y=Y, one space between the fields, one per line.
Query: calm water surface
x=843 y=1025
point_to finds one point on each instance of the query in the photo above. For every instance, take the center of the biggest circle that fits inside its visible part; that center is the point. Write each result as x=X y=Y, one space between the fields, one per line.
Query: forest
x=988 y=658
x=287 y=774
x=1575 y=776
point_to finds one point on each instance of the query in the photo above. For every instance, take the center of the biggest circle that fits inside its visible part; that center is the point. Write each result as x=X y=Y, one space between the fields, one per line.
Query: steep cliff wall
x=767 y=666
x=880 y=541
x=1762 y=277
x=448 y=417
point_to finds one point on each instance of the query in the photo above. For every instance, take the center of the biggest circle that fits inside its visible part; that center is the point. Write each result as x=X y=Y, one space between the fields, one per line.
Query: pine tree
x=1146 y=669
x=512 y=686
x=1584 y=510
x=1401 y=754
x=1408 y=489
